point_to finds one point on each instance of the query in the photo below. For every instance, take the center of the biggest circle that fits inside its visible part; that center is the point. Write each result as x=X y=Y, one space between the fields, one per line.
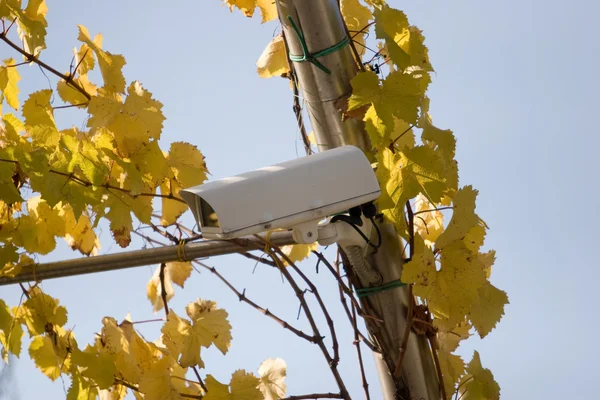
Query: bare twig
x=85 y=183
x=359 y=355
x=297 y=107
x=275 y=252
x=31 y=58
x=163 y=289
x=242 y=297
x=316 y=396
x=434 y=209
x=411 y=300
x=391 y=146
x=202 y=385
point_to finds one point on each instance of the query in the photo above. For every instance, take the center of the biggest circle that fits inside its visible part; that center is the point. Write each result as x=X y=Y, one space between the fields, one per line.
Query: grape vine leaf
x=40 y=311
x=189 y=169
x=429 y=223
x=180 y=340
x=174 y=272
x=463 y=217
x=399 y=95
x=272 y=374
x=51 y=352
x=268 y=8
x=11 y=333
x=273 y=61
x=298 y=252
x=9 y=78
x=81 y=388
x=96 y=365
x=243 y=386
x=156 y=382
x=110 y=64
x=210 y=324
x=487 y=311
x=134 y=122
x=357 y=17
x=478 y=383
x=405 y=43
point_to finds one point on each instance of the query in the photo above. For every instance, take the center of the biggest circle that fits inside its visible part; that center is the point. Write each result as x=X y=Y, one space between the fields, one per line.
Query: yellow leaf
x=273 y=60
x=357 y=17
x=210 y=324
x=451 y=291
x=110 y=64
x=183 y=386
x=116 y=392
x=488 y=309
x=272 y=374
x=189 y=169
x=51 y=352
x=32 y=25
x=175 y=272
x=399 y=95
x=429 y=222
x=132 y=355
x=9 y=78
x=478 y=383
x=488 y=260
x=81 y=389
x=299 y=252
x=179 y=340
x=246 y=6
x=133 y=123
x=10 y=269
x=39 y=119
x=84 y=59
x=11 y=333
x=83 y=237
x=187 y=163
x=450 y=339
x=156 y=383
x=405 y=43
x=243 y=386
x=152 y=164
x=463 y=217
x=452 y=367
x=69 y=94
x=171 y=209
x=95 y=365
x=40 y=312
x=268 y=10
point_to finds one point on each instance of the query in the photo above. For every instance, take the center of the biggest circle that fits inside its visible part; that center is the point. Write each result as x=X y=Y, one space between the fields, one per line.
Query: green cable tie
x=363 y=292
x=312 y=58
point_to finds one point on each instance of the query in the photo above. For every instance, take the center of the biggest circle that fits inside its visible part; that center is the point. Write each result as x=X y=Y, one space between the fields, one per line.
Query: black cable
x=379 y=240
x=357 y=229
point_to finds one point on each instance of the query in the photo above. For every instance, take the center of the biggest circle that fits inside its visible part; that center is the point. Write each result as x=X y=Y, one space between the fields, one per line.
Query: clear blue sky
x=515 y=81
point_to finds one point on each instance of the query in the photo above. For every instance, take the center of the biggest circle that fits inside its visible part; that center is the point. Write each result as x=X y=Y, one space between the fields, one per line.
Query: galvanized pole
x=137 y=258
x=316 y=25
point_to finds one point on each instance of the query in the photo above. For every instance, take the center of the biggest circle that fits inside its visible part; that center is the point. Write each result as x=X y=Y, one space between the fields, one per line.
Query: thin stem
x=359 y=355
x=31 y=58
x=276 y=252
x=432 y=210
x=411 y=300
x=316 y=396
x=146 y=321
x=391 y=146
x=242 y=297
x=163 y=289
x=202 y=385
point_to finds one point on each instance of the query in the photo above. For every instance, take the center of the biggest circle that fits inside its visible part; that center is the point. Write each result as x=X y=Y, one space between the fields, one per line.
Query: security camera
x=295 y=194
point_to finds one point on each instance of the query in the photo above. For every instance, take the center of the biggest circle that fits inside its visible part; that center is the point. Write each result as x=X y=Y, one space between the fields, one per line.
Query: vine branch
x=31 y=58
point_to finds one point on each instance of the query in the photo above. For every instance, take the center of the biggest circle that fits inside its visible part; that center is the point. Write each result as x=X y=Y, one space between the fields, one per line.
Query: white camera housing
x=295 y=194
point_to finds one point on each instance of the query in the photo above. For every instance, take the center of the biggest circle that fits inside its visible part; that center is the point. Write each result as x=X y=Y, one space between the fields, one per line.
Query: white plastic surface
x=286 y=194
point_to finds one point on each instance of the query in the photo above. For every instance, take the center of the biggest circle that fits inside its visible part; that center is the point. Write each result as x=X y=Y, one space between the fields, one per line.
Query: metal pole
x=321 y=26
x=137 y=258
